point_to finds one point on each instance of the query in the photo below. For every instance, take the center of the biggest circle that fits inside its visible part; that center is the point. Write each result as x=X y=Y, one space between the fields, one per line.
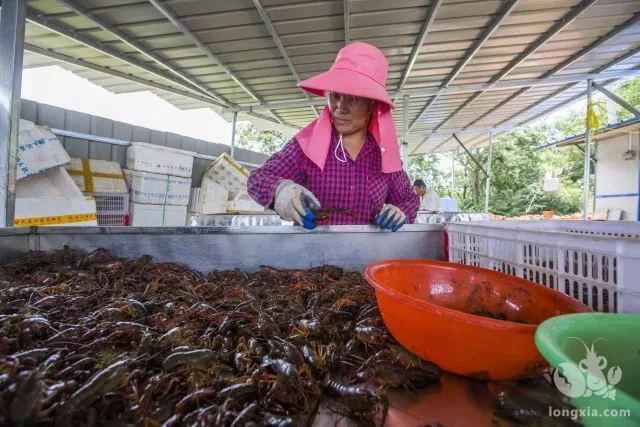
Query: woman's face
x=350 y=113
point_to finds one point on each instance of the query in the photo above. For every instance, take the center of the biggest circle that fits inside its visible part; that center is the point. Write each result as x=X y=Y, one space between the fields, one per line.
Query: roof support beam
x=175 y=20
x=615 y=98
x=568 y=62
x=426 y=26
x=503 y=85
x=543 y=113
x=85 y=13
x=347 y=21
x=539 y=42
x=471 y=53
x=93 y=43
x=143 y=82
x=276 y=39
x=115 y=73
x=633 y=52
x=471 y=156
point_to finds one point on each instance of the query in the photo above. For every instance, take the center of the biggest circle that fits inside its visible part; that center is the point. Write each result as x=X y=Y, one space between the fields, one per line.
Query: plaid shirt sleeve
x=285 y=164
x=401 y=194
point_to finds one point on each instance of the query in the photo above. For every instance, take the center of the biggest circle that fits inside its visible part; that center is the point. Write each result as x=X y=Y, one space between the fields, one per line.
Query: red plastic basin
x=438 y=311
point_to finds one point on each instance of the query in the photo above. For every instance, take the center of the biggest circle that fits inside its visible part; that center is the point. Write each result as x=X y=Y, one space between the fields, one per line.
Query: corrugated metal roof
x=245 y=53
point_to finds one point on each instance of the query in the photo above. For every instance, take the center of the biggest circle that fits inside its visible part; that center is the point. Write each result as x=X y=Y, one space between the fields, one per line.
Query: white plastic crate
x=157 y=189
x=158 y=159
x=112 y=208
x=597 y=263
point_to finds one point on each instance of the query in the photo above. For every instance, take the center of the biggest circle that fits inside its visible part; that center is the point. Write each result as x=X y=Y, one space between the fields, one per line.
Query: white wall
x=617 y=180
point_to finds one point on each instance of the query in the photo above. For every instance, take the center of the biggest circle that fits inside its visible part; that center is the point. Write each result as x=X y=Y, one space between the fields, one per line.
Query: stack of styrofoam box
x=160 y=183
x=45 y=193
x=104 y=181
x=226 y=173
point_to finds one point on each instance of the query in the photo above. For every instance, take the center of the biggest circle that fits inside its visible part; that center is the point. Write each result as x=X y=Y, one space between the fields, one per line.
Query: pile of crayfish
x=94 y=340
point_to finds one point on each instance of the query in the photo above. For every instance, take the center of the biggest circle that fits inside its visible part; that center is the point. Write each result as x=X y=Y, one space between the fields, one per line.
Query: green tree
x=267 y=142
x=518 y=171
x=630 y=92
x=427 y=169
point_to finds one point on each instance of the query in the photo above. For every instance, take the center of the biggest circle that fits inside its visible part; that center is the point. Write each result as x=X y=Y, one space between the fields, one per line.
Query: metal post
x=12 y=24
x=587 y=154
x=405 y=132
x=488 y=183
x=595 y=176
x=453 y=171
x=233 y=134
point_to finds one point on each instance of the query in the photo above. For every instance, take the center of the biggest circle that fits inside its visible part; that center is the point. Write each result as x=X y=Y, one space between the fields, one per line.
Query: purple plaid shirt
x=359 y=185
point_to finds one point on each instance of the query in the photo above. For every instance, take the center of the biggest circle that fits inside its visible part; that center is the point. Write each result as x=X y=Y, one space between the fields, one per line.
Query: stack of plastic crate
x=597 y=263
x=113 y=209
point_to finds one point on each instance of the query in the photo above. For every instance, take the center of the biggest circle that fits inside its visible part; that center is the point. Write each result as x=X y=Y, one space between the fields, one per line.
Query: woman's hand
x=293 y=202
x=390 y=218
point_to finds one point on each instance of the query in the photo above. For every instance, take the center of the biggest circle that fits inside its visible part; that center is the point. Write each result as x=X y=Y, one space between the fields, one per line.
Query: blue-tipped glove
x=294 y=203
x=390 y=218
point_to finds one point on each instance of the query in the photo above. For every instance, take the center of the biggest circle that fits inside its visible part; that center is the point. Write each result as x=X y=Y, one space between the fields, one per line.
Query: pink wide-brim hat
x=360 y=69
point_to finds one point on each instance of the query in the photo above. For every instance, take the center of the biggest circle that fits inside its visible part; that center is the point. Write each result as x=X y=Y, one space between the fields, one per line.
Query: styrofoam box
x=244 y=203
x=157 y=159
x=107 y=176
x=194 y=200
x=597 y=263
x=228 y=173
x=52 y=183
x=213 y=198
x=55 y=211
x=143 y=215
x=214 y=204
x=38 y=150
x=157 y=189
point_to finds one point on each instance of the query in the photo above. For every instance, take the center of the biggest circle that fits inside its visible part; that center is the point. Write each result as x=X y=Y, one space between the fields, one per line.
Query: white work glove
x=293 y=202
x=390 y=218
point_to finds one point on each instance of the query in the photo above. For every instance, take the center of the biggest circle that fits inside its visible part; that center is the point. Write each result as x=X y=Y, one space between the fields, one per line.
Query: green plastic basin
x=596 y=357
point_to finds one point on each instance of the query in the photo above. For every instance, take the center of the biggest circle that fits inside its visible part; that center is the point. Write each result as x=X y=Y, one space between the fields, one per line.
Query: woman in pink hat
x=348 y=160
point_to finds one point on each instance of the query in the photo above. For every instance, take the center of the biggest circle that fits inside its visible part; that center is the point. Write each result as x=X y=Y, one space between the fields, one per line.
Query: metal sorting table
x=235 y=220
x=268 y=218
x=245 y=248
x=454 y=402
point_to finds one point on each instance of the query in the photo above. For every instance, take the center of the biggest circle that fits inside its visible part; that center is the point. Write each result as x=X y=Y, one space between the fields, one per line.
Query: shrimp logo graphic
x=587 y=378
